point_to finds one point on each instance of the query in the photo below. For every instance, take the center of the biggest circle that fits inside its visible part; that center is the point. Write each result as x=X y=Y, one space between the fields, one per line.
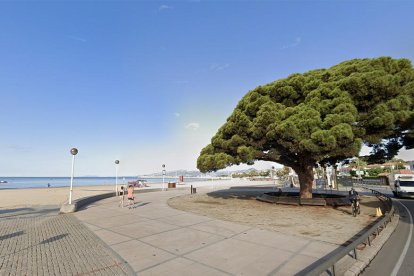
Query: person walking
x=121 y=197
x=130 y=195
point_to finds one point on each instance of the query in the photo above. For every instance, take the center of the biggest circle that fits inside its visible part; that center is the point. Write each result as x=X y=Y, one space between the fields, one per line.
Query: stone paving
x=157 y=240
x=150 y=238
x=38 y=241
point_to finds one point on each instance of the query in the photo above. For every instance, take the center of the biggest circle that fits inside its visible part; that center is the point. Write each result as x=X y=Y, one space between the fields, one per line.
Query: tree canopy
x=323 y=114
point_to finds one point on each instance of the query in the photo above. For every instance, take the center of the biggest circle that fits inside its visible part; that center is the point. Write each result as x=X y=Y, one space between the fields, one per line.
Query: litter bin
x=171 y=184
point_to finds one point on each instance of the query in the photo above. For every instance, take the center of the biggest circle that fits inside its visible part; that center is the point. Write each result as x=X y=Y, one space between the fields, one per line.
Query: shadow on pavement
x=137 y=205
x=142 y=204
x=55 y=238
x=6 y=211
x=8 y=236
x=29 y=211
x=371 y=204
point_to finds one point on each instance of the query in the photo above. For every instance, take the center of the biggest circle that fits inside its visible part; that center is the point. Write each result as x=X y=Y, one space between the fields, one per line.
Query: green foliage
x=357 y=163
x=353 y=173
x=375 y=171
x=282 y=172
x=322 y=115
x=251 y=174
x=399 y=166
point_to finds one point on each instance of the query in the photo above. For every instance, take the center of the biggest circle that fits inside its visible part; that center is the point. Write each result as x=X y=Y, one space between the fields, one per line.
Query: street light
x=116 y=176
x=163 y=176
x=73 y=151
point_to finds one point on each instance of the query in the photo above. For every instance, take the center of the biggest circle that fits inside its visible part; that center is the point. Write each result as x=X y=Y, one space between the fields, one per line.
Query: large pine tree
x=319 y=115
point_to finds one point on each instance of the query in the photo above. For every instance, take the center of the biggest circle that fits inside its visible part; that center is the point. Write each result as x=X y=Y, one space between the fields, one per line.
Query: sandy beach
x=15 y=198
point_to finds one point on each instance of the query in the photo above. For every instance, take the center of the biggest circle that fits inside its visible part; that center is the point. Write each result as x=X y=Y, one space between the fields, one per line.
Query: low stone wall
x=79 y=203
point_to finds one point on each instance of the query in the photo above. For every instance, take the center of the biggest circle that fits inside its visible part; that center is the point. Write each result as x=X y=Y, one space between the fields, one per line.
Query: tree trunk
x=305 y=173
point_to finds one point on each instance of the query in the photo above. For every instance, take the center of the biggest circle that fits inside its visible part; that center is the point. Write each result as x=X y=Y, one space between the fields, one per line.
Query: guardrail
x=329 y=264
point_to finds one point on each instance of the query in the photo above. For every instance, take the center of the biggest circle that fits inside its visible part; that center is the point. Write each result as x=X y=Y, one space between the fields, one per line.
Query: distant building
x=410 y=165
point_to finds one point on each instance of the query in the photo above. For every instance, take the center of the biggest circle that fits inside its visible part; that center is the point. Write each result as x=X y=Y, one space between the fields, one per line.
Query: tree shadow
x=241 y=192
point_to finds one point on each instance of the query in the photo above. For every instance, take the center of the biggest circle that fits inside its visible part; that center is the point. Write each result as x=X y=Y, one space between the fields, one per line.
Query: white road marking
x=407 y=244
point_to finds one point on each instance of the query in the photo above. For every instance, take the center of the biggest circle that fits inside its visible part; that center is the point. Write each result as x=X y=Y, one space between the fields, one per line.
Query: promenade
x=150 y=238
x=157 y=240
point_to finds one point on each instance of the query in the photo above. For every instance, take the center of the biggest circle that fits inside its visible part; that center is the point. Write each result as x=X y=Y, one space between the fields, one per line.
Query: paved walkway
x=38 y=241
x=157 y=240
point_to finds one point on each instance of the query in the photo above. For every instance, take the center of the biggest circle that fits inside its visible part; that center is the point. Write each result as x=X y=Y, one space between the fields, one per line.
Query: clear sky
x=149 y=83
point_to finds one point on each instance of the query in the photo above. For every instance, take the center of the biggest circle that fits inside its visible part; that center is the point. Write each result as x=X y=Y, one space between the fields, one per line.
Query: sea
x=42 y=182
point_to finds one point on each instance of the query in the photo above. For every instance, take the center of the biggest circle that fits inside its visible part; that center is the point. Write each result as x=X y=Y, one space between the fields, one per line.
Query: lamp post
x=73 y=151
x=116 y=176
x=163 y=176
x=273 y=176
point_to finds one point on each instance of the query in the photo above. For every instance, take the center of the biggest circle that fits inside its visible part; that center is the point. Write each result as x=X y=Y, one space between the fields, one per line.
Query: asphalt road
x=397 y=255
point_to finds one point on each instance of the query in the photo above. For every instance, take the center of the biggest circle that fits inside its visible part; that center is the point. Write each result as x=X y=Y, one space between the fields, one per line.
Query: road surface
x=397 y=255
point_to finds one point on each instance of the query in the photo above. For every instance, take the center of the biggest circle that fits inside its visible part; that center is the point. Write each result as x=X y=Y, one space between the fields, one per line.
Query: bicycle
x=355 y=207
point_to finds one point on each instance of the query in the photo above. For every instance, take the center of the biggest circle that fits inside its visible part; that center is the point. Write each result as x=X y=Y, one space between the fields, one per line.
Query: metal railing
x=329 y=265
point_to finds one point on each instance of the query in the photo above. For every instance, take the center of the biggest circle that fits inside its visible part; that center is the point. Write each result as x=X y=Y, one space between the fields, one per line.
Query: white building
x=410 y=165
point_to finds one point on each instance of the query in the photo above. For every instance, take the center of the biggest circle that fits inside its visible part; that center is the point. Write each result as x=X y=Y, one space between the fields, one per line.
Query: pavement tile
x=183 y=267
x=220 y=227
x=118 y=220
x=181 y=240
x=141 y=256
x=185 y=219
x=143 y=228
x=95 y=213
x=273 y=239
x=241 y=257
x=295 y=265
x=154 y=213
x=318 y=249
x=92 y=227
x=110 y=237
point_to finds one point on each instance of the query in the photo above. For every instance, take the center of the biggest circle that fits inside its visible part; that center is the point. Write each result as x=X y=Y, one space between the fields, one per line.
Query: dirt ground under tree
x=333 y=225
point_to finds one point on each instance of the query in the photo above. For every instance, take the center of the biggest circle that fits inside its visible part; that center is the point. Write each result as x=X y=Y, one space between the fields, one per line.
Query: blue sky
x=149 y=83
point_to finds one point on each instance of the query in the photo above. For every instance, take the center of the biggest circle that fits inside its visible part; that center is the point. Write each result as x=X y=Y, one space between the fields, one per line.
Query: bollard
x=194 y=190
x=191 y=189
